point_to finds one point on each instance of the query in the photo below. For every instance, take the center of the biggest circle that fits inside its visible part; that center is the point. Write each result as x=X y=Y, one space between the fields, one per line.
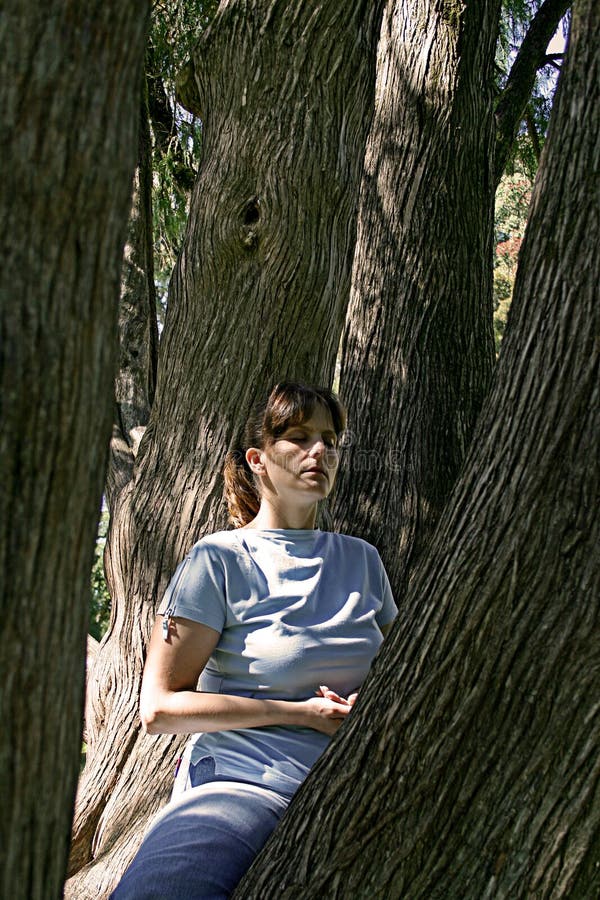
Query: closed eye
x=328 y=440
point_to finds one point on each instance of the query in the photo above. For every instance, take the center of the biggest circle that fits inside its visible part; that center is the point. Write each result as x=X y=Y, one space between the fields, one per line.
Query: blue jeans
x=203 y=841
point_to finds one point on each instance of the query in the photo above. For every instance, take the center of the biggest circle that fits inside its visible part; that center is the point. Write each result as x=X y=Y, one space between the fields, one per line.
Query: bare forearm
x=189 y=712
x=184 y=712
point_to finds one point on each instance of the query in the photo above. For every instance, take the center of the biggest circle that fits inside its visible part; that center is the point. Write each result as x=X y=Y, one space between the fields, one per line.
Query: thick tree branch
x=425 y=157
x=515 y=96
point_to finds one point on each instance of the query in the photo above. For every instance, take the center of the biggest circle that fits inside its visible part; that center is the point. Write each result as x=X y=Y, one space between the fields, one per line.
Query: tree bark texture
x=513 y=101
x=418 y=350
x=135 y=380
x=470 y=767
x=285 y=93
x=69 y=92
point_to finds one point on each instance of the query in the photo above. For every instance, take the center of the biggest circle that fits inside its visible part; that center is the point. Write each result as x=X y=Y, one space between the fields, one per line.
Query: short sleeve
x=197 y=589
x=389 y=610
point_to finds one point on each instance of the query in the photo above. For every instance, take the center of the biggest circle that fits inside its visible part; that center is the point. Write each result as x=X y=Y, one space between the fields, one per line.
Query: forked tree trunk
x=470 y=767
x=285 y=93
x=69 y=91
x=418 y=351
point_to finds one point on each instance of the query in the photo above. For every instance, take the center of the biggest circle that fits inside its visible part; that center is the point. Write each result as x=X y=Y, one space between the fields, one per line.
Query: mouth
x=316 y=471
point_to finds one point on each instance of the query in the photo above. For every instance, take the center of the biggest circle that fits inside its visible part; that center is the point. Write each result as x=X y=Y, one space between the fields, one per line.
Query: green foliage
x=515 y=20
x=100 y=604
x=175 y=28
x=170 y=206
x=177 y=136
x=514 y=192
x=512 y=203
x=515 y=17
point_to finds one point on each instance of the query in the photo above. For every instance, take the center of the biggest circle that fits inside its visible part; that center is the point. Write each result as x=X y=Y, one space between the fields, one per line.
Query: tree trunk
x=285 y=92
x=69 y=90
x=470 y=767
x=135 y=380
x=418 y=349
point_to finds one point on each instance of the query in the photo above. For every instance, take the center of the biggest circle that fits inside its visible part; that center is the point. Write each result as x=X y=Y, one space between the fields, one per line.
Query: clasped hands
x=324 y=691
x=330 y=708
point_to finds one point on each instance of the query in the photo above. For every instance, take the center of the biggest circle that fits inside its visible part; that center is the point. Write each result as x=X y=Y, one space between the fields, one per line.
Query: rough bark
x=418 y=350
x=69 y=90
x=135 y=380
x=513 y=101
x=285 y=92
x=533 y=135
x=471 y=766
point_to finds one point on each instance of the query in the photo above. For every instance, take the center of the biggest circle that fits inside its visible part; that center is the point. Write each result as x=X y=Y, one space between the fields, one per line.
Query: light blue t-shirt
x=295 y=609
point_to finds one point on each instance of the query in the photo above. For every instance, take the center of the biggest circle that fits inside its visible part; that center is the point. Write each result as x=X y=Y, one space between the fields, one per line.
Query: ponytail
x=241 y=494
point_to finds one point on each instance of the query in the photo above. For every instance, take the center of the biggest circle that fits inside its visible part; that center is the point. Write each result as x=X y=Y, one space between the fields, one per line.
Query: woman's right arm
x=170 y=703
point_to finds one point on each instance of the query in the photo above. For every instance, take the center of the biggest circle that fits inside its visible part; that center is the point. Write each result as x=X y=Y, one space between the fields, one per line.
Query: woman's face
x=301 y=464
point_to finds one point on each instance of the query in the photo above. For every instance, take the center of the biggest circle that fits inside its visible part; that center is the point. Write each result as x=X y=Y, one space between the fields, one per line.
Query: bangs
x=291 y=404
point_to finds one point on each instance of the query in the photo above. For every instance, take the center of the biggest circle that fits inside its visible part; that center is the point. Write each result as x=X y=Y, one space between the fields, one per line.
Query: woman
x=281 y=621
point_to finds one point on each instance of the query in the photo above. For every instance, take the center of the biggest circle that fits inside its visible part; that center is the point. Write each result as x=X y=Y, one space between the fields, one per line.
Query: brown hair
x=289 y=403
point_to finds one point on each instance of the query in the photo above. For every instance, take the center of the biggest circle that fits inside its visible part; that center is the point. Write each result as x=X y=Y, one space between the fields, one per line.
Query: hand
x=324 y=691
x=325 y=714
x=329 y=718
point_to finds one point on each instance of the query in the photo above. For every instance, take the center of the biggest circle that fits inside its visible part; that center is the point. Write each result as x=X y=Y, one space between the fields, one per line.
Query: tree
x=69 y=85
x=470 y=767
x=267 y=257
x=419 y=326
x=513 y=104
x=250 y=256
x=176 y=26
x=528 y=86
x=529 y=25
x=163 y=181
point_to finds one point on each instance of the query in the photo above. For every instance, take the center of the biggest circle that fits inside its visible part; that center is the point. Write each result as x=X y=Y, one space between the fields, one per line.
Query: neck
x=270 y=516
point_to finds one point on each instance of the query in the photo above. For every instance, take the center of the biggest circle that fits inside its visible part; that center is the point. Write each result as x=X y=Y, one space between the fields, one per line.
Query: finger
x=352 y=699
x=331 y=695
x=337 y=699
x=339 y=710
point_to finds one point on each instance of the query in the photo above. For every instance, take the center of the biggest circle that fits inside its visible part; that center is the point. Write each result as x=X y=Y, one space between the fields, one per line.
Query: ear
x=255 y=459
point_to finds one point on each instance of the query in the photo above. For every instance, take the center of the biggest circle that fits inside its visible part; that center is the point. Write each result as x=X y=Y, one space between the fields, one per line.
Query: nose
x=318 y=448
